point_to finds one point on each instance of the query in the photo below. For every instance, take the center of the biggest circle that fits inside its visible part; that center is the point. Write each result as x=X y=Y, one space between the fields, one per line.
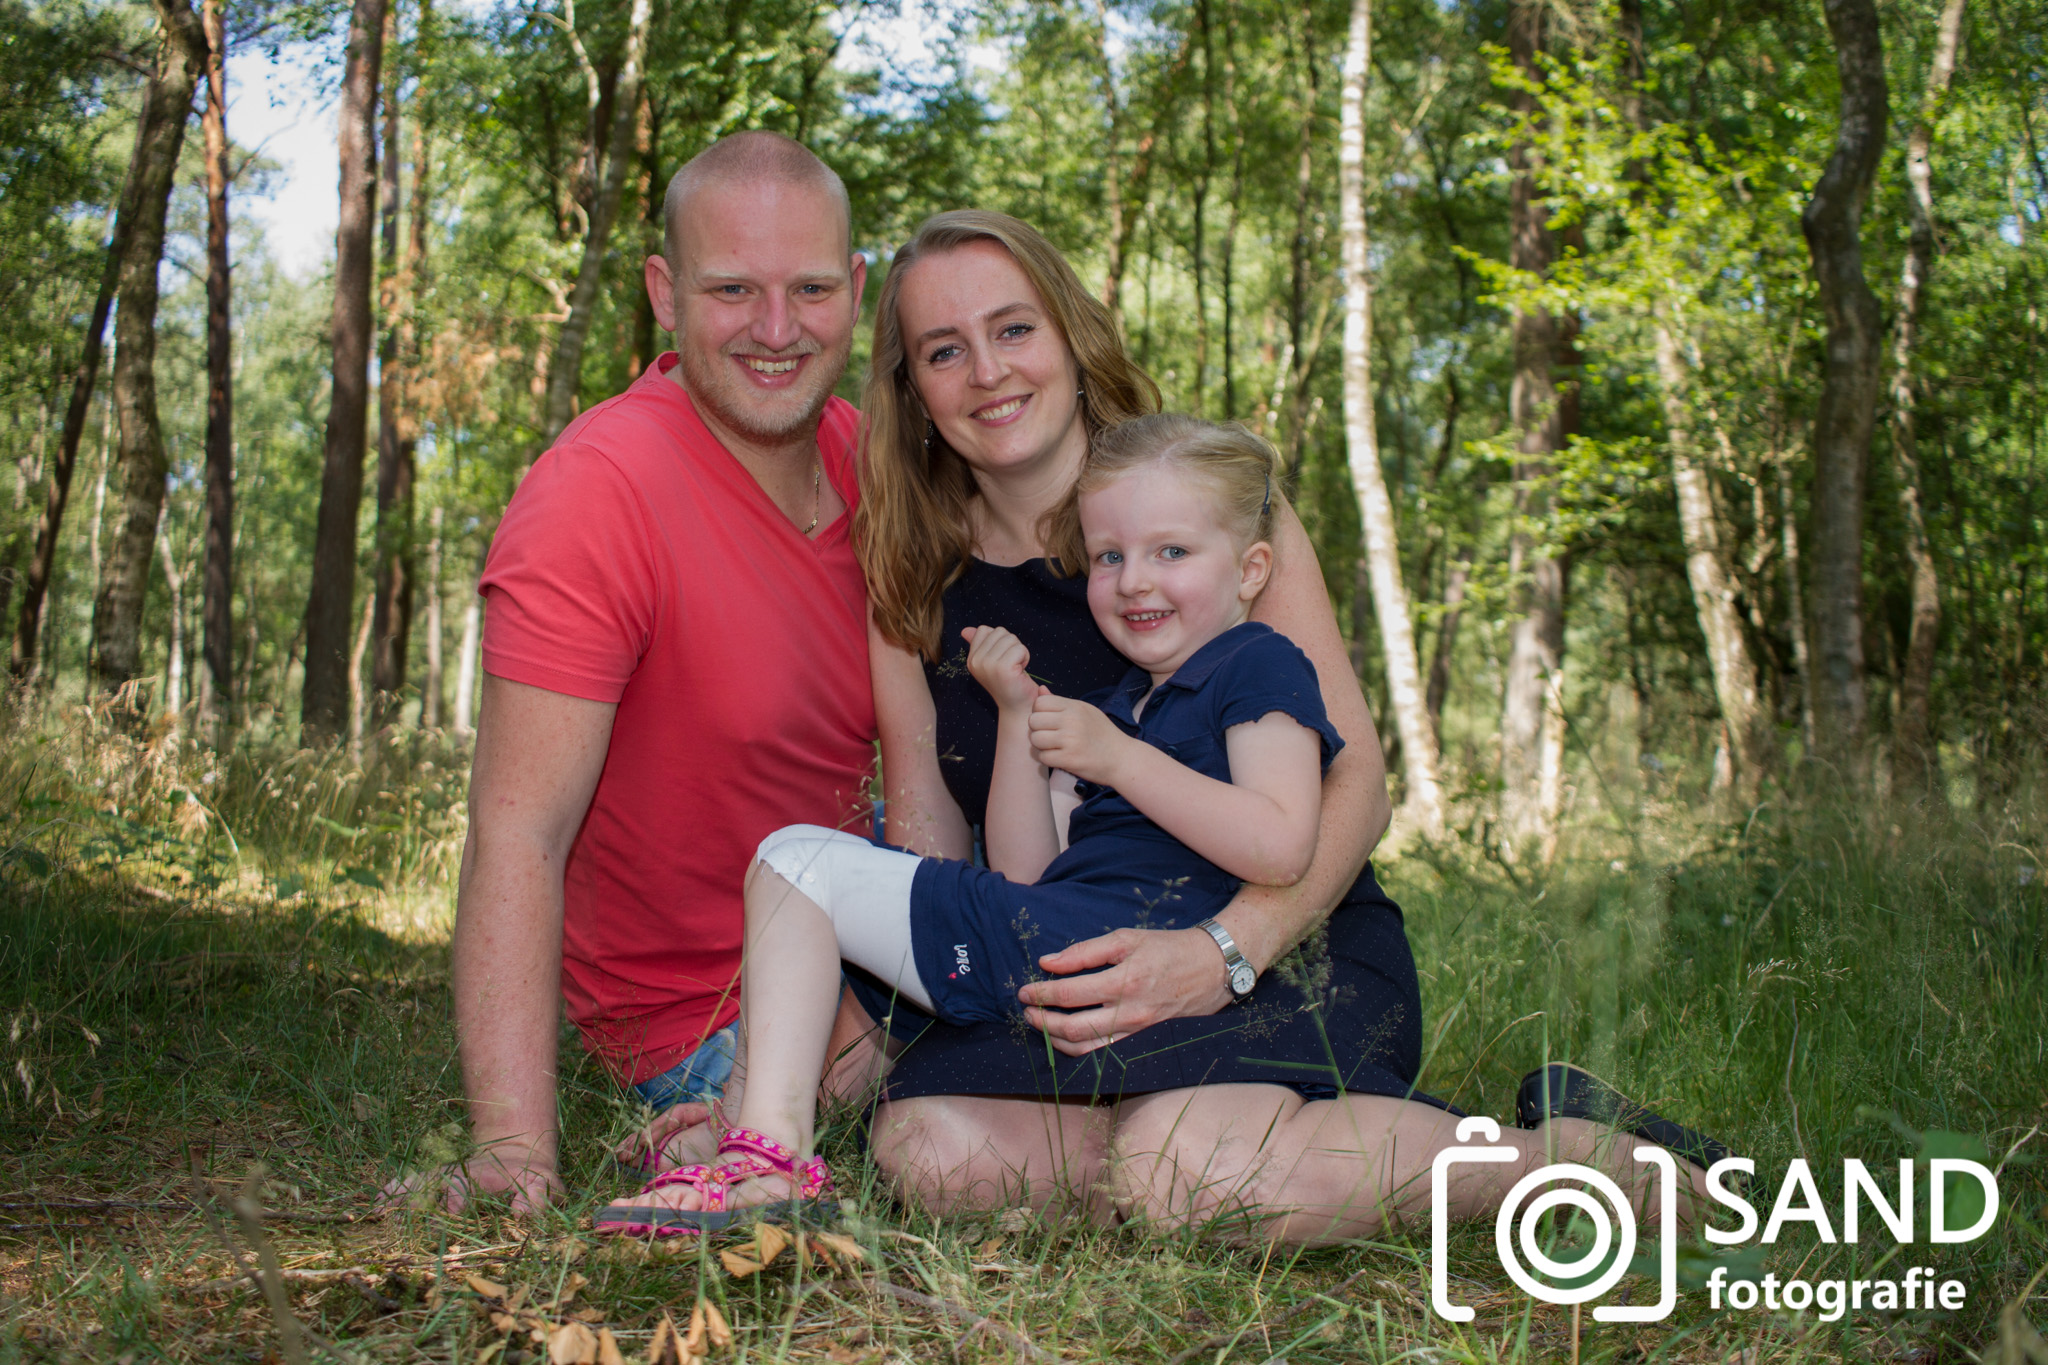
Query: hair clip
x=1266 y=503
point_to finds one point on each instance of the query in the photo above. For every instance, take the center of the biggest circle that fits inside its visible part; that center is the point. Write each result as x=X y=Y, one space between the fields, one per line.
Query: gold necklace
x=817 y=503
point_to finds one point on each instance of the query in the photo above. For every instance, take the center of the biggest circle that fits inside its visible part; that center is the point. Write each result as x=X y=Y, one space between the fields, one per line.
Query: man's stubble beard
x=758 y=416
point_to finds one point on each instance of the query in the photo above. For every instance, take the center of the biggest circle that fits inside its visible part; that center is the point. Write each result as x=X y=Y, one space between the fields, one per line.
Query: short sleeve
x=1270 y=673
x=570 y=580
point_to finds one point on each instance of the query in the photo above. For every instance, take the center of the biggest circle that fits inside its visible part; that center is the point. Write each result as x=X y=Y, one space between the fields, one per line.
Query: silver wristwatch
x=1242 y=977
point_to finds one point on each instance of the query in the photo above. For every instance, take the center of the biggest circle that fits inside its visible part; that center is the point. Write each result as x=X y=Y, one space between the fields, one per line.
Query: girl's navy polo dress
x=1343 y=1013
x=977 y=935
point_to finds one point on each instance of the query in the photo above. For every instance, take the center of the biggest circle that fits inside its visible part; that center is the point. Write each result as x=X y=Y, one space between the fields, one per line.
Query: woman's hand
x=1076 y=738
x=998 y=661
x=1152 y=975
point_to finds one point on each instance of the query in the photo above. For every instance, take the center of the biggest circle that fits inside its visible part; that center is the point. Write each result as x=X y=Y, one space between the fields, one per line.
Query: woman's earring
x=931 y=433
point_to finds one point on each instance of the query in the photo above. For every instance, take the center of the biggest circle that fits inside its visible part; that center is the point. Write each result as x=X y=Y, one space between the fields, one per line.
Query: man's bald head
x=750 y=158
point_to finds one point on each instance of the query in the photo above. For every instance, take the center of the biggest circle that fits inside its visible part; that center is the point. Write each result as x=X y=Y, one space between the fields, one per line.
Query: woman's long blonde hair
x=912 y=529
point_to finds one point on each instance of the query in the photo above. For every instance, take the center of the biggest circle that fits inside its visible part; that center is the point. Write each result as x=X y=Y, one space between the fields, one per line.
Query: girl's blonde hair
x=912 y=529
x=1233 y=460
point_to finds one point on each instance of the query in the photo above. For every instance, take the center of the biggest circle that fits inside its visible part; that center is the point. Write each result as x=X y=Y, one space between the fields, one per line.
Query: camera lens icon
x=1518 y=1229
x=1606 y=1214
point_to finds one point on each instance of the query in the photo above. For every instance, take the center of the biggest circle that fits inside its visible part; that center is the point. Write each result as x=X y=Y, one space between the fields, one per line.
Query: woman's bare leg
x=965 y=1153
x=1290 y=1170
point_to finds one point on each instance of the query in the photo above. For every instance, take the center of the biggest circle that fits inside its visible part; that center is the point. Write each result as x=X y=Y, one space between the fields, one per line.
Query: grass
x=242 y=981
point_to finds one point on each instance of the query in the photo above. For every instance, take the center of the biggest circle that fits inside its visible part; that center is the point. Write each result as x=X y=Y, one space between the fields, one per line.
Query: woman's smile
x=995 y=414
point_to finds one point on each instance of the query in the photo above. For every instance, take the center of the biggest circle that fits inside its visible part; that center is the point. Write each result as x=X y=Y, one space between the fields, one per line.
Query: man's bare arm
x=538 y=758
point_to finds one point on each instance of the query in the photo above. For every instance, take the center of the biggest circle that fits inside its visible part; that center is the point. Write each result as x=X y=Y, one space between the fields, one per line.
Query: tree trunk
x=465 y=666
x=1913 y=756
x=1300 y=355
x=566 y=372
x=42 y=562
x=324 y=704
x=357 y=702
x=1713 y=583
x=1532 y=717
x=1423 y=804
x=1112 y=166
x=396 y=440
x=653 y=189
x=1455 y=579
x=1235 y=129
x=430 y=690
x=174 y=656
x=1795 y=604
x=217 y=578
x=117 y=614
x=1847 y=413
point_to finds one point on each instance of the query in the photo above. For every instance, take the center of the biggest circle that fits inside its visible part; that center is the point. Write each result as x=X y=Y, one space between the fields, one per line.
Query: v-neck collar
x=660 y=372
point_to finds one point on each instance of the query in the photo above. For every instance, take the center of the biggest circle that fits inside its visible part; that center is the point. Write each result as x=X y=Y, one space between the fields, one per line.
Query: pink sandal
x=756 y=1155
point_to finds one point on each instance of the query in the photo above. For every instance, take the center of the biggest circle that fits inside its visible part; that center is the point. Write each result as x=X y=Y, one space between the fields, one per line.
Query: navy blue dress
x=1342 y=1013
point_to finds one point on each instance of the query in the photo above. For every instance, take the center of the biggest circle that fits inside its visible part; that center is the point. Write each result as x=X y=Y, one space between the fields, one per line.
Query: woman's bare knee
x=954 y=1155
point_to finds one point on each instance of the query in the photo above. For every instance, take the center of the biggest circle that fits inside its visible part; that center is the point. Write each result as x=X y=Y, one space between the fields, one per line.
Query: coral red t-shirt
x=639 y=563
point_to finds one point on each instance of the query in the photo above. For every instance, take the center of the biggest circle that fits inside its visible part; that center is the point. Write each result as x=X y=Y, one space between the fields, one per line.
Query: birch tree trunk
x=430 y=690
x=1423 y=803
x=1713 y=584
x=216 y=686
x=565 y=374
x=1913 y=757
x=117 y=613
x=330 y=607
x=465 y=666
x=1847 y=414
x=1532 y=716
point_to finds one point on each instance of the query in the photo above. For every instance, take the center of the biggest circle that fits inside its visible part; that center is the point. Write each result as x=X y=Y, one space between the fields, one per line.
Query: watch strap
x=1233 y=960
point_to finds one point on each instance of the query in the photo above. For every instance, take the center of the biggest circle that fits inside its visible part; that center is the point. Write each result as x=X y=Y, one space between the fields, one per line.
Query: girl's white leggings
x=864 y=890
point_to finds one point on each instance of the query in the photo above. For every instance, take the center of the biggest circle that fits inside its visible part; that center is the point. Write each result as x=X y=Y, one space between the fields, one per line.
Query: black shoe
x=1563 y=1091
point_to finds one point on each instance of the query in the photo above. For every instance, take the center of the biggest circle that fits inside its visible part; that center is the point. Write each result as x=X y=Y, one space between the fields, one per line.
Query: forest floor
x=225 y=1000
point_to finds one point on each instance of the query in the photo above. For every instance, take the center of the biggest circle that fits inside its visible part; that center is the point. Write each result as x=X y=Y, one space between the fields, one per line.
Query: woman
x=1164 y=1095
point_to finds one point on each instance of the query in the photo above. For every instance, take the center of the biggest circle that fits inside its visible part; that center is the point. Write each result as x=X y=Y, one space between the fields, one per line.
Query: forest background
x=1660 y=384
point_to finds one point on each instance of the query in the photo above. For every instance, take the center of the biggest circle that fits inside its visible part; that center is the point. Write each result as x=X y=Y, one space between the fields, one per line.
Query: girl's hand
x=1076 y=737
x=997 y=659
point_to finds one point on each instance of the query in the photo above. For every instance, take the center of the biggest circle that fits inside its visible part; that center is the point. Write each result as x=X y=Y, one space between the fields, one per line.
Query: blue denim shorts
x=697 y=1079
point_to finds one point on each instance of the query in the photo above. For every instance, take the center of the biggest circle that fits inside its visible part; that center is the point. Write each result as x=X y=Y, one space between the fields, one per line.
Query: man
x=676 y=665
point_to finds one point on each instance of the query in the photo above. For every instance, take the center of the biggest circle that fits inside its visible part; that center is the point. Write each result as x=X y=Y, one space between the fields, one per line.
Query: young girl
x=1146 y=805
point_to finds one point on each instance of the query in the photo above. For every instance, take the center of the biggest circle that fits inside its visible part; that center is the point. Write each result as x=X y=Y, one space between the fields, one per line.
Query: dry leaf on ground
x=715 y=1324
x=770 y=1241
x=572 y=1344
x=738 y=1264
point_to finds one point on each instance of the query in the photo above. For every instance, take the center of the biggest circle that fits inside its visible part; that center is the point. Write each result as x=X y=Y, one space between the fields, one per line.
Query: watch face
x=1242 y=979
